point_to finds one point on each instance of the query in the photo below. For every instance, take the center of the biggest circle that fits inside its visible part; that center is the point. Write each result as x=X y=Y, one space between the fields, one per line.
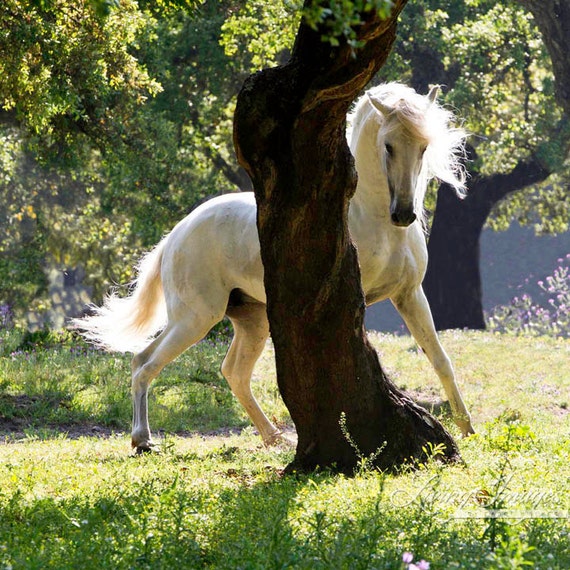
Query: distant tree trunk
x=289 y=131
x=453 y=281
x=553 y=20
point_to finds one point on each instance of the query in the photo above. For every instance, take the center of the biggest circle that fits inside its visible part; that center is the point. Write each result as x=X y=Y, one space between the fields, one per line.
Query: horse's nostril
x=403 y=218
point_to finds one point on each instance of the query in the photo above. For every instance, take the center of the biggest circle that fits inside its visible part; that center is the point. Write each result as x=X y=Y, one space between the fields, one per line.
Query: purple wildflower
x=407 y=558
x=5 y=316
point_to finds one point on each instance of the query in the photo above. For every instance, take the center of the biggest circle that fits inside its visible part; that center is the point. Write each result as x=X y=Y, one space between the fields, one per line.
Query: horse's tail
x=127 y=323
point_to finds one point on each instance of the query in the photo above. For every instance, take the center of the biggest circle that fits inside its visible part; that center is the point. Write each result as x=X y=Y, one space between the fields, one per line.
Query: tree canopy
x=111 y=110
x=105 y=119
x=496 y=73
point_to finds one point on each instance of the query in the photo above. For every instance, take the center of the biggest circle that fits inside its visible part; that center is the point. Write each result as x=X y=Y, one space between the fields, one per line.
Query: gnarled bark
x=289 y=134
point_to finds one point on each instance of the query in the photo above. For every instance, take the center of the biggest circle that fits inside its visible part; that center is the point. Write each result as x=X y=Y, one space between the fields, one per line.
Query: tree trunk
x=289 y=132
x=453 y=281
x=553 y=20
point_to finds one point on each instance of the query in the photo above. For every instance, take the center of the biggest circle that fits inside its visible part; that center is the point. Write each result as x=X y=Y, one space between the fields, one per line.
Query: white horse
x=210 y=265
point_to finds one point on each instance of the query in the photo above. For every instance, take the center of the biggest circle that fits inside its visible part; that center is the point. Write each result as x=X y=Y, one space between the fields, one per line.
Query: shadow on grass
x=295 y=523
x=291 y=522
x=126 y=529
x=48 y=413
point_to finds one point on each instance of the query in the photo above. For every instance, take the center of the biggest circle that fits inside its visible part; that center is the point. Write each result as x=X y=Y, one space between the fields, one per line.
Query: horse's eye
x=423 y=150
x=389 y=149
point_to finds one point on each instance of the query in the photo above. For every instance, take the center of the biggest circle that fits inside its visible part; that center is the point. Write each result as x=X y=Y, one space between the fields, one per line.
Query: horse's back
x=213 y=251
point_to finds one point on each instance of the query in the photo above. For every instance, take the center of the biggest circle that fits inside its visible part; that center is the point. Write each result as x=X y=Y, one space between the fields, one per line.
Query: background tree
x=104 y=119
x=492 y=59
x=67 y=82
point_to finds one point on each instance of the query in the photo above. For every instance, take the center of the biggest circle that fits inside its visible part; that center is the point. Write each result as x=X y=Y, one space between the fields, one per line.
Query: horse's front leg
x=416 y=313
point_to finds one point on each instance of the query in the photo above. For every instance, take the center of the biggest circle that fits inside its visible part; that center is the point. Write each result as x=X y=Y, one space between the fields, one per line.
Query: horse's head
x=402 y=143
x=409 y=136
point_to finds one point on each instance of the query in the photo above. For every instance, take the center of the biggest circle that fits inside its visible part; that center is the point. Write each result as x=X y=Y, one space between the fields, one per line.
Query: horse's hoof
x=146 y=447
x=466 y=428
x=280 y=439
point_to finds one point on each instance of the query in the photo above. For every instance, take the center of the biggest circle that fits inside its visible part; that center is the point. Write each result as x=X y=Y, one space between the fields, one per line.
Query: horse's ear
x=382 y=108
x=433 y=93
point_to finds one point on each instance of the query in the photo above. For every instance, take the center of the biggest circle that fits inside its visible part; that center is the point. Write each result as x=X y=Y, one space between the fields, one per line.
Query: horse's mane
x=423 y=120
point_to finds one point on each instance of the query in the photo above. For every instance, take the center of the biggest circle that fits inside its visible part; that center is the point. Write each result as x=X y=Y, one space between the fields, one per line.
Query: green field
x=73 y=496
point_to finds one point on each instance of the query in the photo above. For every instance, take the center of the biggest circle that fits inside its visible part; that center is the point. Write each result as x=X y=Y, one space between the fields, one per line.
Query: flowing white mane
x=423 y=120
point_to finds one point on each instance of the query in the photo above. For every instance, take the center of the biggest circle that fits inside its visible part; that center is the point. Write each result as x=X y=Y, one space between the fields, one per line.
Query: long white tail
x=127 y=324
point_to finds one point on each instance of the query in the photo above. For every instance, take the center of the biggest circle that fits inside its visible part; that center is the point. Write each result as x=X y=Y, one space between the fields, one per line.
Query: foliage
x=496 y=74
x=337 y=20
x=65 y=73
x=68 y=84
x=364 y=462
x=265 y=30
x=52 y=216
x=524 y=316
x=91 y=149
x=183 y=151
x=74 y=497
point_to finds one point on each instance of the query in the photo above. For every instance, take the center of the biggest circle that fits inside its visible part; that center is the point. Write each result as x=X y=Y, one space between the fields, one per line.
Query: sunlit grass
x=72 y=501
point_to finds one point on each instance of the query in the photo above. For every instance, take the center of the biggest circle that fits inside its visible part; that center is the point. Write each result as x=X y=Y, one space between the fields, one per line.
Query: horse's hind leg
x=251 y=331
x=146 y=366
x=416 y=313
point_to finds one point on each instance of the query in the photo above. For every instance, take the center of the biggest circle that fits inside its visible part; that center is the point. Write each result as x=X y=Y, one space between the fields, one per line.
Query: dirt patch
x=18 y=429
x=430 y=401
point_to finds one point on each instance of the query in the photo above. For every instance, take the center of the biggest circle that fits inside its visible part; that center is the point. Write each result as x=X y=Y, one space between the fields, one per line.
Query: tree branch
x=553 y=20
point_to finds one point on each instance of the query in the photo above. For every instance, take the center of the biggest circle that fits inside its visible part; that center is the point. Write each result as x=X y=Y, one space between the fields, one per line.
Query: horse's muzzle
x=403 y=217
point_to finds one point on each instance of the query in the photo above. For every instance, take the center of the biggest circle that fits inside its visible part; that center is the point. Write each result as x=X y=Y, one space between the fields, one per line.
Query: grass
x=72 y=497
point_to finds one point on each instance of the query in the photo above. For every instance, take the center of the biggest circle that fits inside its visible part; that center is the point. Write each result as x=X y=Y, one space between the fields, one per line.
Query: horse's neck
x=369 y=213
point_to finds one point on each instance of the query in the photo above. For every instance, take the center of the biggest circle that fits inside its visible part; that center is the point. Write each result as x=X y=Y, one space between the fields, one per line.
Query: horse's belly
x=377 y=294
x=215 y=250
